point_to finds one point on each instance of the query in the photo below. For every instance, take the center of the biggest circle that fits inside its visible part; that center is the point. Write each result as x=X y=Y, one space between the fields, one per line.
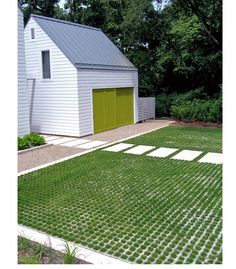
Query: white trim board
x=56 y=243
x=88 y=151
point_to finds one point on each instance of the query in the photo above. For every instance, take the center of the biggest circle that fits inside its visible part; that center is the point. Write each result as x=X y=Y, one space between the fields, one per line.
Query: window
x=46 y=64
x=32 y=33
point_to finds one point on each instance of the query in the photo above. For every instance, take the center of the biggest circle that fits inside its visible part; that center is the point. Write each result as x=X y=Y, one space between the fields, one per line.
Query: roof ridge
x=65 y=22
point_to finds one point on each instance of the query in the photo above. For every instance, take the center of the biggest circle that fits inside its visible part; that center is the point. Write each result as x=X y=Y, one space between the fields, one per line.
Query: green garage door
x=112 y=108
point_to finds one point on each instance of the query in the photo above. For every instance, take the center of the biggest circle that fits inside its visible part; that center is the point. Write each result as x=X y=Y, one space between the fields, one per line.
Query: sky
x=61 y=3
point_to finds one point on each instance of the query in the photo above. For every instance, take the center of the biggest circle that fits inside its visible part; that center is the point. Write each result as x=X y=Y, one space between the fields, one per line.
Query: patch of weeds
x=40 y=251
x=28 y=260
x=69 y=255
x=23 y=243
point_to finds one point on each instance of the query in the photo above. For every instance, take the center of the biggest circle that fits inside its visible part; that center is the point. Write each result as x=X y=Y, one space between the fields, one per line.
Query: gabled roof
x=85 y=46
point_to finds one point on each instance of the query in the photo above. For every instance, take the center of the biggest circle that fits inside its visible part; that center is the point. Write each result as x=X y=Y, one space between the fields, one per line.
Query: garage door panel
x=120 y=108
x=129 y=107
x=112 y=108
x=98 y=110
x=124 y=106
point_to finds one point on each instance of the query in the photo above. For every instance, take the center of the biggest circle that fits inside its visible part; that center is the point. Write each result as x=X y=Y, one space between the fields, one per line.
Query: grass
x=188 y=137
x=69 y=255
x=30 y=252
x=152 y=206
x=33 y=253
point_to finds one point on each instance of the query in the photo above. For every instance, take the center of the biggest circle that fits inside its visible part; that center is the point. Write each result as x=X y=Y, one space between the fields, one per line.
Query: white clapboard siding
x=53 y=102
x=23 y=106
x=98 y=79
x=146 y=108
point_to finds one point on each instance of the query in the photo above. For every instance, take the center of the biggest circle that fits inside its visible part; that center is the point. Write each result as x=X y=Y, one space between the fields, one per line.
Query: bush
x=197 y=94
x=198 y=110
x=22 y=143
x=34 y=139
x=165 y=101
x=163 y=104
x=30 y=140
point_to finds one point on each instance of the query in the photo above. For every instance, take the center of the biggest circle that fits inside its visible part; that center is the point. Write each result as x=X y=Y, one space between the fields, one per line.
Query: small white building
x=79 y=82
x=23 y=106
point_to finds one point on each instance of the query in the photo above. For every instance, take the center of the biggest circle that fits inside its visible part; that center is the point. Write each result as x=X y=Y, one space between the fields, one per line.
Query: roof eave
x=105 y=67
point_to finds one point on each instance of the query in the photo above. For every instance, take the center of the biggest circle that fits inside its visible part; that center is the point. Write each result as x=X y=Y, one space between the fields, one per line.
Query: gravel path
x=52 y=153
x=42 y=156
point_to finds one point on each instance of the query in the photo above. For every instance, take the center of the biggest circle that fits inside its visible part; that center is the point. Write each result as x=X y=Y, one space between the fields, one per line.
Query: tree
x=209 y=14
x=45 y=8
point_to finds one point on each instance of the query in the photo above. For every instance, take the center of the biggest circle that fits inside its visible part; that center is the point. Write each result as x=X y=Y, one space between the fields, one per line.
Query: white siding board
x=98 y=79
x=23 y=106
x=55 y=101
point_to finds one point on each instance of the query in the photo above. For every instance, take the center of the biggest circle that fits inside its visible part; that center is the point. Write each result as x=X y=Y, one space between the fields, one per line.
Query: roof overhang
x=105 y=67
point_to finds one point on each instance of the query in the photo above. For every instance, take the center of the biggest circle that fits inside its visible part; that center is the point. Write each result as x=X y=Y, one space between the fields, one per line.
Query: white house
x=23 y=106
x=79 y=82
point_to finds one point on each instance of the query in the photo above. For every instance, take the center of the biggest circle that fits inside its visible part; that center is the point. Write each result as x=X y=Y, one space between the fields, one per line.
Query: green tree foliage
x=209 y=14
x=41 y=7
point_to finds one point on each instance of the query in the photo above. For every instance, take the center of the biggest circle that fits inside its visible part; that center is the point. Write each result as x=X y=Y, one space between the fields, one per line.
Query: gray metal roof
x=85 y=46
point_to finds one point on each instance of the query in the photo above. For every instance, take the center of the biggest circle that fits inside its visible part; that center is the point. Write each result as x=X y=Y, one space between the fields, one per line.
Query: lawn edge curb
x=88 y=151
x=19 y=152
x=56 y=243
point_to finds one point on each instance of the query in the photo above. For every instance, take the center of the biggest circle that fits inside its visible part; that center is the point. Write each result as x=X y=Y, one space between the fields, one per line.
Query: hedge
x=198 y=110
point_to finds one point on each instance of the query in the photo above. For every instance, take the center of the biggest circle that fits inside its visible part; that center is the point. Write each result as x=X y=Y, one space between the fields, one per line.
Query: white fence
x=146 y=108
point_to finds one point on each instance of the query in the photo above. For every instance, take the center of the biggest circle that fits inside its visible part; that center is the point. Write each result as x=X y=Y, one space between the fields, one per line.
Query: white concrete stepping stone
x=119 y=147
x=187 y=155
x=61 y=140
x=46 y=136
x=211 y=157
x=139 y=150
x=91 y=144
x=162 y=152
x=48 y=139
x=75 y=142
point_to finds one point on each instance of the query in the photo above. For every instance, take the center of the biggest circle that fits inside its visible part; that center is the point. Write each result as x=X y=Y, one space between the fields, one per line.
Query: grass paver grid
x=192 y=138
x=140 y=209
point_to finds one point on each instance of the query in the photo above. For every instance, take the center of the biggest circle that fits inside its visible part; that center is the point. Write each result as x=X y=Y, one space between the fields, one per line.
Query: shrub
x=198 y=110
x=165 y=101
x=197 y=94
x=30 y=140
x=35 y=139
x=22 y=143
x=163 y=104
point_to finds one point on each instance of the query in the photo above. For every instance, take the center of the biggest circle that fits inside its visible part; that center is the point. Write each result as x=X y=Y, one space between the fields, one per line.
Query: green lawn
x=193 y=138
x=137 y=208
